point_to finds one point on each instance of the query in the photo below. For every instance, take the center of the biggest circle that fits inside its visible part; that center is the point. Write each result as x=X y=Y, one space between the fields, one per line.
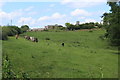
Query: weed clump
x=47 y=38
x=102 y=37
x=90 y=31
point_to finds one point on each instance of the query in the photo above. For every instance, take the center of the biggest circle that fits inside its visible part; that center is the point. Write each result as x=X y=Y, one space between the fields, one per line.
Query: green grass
x=84 y=55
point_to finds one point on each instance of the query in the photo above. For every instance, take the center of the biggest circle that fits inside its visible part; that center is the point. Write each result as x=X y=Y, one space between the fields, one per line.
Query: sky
x=37 y=14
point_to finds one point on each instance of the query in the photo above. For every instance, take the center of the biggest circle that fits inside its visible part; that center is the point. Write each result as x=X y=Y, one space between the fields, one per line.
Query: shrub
x=7 y=71
x=45 y=30
x=24 y=28
x=3 y=36
x=90 y=31
x=101 y=37
x=9 y=31
x=17 y=29
x=47 y=38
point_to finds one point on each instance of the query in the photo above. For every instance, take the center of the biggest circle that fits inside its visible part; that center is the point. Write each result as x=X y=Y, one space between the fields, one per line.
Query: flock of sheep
x=33 y=39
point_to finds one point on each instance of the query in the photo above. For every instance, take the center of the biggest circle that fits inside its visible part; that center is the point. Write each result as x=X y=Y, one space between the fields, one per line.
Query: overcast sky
x=41 y=13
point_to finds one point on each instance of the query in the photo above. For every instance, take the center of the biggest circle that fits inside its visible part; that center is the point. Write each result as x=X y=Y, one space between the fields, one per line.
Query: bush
x=90 y=31
x=90 y=25
x=24 y=28
x=102 y=37
x=9 y=73
x=47 y=38
x=9 y=31
x=62 y=28
x=17 y=29
x=45 y=30
x=3 y=36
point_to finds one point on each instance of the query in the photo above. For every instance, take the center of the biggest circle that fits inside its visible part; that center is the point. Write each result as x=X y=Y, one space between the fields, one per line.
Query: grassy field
x=84 y=55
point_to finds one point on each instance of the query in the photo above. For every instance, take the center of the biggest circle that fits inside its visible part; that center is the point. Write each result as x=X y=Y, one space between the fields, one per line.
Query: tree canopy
x=24 y=28
x=112 y=22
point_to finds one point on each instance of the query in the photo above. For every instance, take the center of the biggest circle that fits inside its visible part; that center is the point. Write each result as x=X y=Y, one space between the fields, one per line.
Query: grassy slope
x=83 y=55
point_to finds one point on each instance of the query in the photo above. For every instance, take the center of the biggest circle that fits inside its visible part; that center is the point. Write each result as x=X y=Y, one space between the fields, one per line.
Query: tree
x=24 y=28
x=67 y=24
x=9 y=31
x=99 y=25
x=113 y=20
x=16 y=28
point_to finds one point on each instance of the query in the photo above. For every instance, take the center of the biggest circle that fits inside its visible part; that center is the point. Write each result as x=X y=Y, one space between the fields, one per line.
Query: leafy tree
x=113 y=20
x=87 y=25
x=62 y=28
x=6 y=31
x=17 y=29
x=24 y=28
x=9 y=30
x=98 y=25
x=69 y=26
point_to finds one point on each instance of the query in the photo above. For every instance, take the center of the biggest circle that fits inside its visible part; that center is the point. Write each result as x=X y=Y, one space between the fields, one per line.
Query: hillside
x=85 y=55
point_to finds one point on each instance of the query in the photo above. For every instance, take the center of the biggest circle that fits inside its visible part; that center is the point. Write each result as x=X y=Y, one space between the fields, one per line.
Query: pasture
x=84 y=55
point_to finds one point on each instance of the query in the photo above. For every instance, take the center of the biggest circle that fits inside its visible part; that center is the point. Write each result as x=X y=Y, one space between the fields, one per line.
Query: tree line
x=11 y=31
x=90 y=25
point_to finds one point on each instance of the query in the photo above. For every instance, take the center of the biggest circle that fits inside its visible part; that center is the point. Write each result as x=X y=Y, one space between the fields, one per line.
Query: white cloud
x=82 y=18
x=17 y=13
x=52 y=17
x=29 y=8
x=1 y=3
x=44 y=18
x=90 y=20
x=80 y=12
x=11 y=15
x=27 y=21
x=57 y=16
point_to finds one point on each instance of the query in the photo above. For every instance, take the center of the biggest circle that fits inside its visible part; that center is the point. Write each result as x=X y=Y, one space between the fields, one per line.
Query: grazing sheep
x=36 y=39
x=16 y=36
x=33 y=39
x=63 y=44
x=27 y=37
